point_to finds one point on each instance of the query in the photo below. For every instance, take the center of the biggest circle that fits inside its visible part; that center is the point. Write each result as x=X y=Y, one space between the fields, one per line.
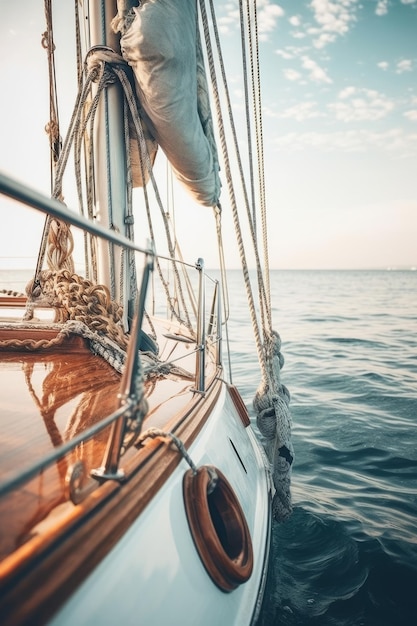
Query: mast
x=110 y=165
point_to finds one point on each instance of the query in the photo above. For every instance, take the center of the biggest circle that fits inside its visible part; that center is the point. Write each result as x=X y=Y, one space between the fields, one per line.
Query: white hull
x=154 y=574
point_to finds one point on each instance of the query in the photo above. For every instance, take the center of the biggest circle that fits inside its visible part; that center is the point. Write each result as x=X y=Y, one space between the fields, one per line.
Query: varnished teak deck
x=47 y=398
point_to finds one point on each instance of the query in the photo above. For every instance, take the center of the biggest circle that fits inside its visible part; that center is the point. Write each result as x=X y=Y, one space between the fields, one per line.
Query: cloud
x=381 y=7
x=268 y=15
x=315 y=72
x=227 y=23
x=292 y=75
x=406 y=65
x=411 y=115
x=347 y=92
x=285 y=54
x=295 y=20
x=395 y=141
x=302 y=111
x=360 y=104
x=333 y=19
x=299 y=35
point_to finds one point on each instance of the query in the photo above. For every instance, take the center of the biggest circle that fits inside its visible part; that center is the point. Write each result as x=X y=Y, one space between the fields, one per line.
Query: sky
x=339 y=126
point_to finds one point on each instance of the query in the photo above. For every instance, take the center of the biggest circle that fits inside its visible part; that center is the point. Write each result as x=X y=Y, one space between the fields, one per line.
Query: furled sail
x=160 y=41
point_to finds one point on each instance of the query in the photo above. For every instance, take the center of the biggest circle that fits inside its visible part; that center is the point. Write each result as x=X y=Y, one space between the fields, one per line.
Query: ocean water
x=348 y=554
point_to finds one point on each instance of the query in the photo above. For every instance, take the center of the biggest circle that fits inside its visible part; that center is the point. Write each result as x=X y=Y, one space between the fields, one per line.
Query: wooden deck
x=47 y=398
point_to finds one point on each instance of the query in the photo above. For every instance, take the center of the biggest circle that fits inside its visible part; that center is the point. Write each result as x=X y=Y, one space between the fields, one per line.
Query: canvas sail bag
x=162 y=45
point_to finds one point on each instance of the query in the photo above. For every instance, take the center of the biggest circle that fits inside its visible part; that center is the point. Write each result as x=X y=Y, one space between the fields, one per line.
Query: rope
x=153 y=433
x=30 y=345
x=246 y=91
x=99 y=344
x=102 y=67
x=146 y=163
x=225 y=294
x=11 y=292
x=52 y=128
x=60 y=242
x=60 y=246
x=272 y=398
x=263 y=299
x=61 y=289
x=232 y=196
x=257 y=107
x=76 y=298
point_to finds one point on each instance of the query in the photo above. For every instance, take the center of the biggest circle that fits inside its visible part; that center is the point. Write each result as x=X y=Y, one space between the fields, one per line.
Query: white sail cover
x=162 y=45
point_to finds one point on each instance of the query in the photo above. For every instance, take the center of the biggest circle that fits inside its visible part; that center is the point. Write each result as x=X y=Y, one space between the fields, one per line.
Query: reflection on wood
x=46 y=400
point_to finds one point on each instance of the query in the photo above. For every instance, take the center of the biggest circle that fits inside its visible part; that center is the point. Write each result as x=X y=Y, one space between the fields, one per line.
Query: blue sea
x=348 y=554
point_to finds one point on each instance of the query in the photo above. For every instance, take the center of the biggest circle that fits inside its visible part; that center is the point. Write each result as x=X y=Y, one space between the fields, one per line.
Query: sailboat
x=134 y=485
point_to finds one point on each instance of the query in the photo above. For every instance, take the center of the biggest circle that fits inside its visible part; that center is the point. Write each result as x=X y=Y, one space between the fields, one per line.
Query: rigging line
x=144 y=156
x=84 y=141
x=90 y=258
x=109 y=194
x=84 y=118
x=127 y=256
x=170 y=217
x=247 y=30
x=79 y=124
x=78 y=39
x=263 y=278
x=218 y=219
x=261 y=168
x=52 y=128
x=91 y=240
x=223 y=283
x=186 y=277
x=248 y=125
x=99 y=75
x=262 y=348
x=129 y=220
x=84 y=87
x=78 y=139
x=261 y=291
x=263 y=283
x=74 y=126
x=251 y=303
x=256 y=107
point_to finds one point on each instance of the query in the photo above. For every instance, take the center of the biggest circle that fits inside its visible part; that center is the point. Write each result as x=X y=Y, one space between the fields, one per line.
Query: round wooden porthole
x=218 y=527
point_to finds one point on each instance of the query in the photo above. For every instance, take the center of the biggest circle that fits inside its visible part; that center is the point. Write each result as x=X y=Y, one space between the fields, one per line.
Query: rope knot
x=45 y=42
x=100 y=61
x=274 y=423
